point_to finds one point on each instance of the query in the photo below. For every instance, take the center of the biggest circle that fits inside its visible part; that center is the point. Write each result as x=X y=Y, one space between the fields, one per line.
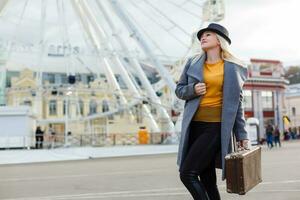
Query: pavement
x=80 y=153
x=146 y=177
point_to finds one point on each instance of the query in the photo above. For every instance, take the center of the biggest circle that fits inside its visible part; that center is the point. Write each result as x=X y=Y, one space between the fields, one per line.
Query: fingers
x=239 y=146
x=200 y=88
x=243 y=145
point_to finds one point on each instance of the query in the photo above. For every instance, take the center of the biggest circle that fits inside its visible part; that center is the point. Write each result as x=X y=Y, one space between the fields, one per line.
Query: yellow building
x=87 y=105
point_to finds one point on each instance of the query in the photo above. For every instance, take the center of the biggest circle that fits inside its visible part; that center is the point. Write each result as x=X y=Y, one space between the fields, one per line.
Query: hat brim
x=199 y=34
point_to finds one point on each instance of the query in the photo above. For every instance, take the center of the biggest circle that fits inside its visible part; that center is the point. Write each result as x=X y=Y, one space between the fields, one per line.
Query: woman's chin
x=205 y=47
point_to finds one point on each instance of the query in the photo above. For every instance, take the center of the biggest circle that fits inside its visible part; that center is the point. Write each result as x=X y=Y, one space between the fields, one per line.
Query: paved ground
x=20 y=156
x=140 y=177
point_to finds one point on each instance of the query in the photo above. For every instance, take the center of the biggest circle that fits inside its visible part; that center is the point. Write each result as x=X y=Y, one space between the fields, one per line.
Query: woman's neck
x=213 y=56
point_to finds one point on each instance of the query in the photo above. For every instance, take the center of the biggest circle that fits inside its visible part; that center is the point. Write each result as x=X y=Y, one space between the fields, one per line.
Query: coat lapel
x=196 y=68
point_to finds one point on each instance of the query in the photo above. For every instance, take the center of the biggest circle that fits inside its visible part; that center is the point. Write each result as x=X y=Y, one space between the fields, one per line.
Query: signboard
x=253 y=130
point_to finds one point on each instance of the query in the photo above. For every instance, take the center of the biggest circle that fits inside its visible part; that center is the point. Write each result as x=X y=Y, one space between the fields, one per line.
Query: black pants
x=204 y=145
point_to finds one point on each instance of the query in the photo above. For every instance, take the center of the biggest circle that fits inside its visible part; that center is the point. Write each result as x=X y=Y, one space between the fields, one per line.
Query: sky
x=267 y=29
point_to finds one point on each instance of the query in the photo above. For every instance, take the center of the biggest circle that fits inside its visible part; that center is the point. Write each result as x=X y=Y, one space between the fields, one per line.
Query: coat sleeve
x=184 y=90
x=239 y=128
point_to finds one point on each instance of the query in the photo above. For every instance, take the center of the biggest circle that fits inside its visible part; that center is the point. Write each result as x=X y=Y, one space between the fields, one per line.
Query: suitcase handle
x=236 y=148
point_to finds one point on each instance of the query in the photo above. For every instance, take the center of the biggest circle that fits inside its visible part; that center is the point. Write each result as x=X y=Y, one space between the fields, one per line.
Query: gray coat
x=232 y=108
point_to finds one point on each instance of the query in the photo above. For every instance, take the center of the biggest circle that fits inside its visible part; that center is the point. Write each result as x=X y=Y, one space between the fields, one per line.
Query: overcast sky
x=268 y=29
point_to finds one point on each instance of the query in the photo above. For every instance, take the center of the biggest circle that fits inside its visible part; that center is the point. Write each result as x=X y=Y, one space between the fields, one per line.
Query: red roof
x=253 y=60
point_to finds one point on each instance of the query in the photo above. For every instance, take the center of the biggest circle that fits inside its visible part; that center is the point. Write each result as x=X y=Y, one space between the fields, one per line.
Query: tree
x=293 y=74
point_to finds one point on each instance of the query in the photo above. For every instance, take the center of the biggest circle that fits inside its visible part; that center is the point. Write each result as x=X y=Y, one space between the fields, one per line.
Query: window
x=51 y=78
x=64 y=107
x=80 y=107
x=267 y=99
x=93 y=107
x=105 y=106
x=51 y=50
x=64 y=78
x=27 y=103
x=52 y=107
x=90 y=78
x=293 y=111
x=247 y=99
x=138 y=113
x=121 y=81
x=153 y=111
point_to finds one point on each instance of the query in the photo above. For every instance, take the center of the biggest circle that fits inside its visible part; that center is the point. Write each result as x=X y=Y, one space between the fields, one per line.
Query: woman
x=211 y=85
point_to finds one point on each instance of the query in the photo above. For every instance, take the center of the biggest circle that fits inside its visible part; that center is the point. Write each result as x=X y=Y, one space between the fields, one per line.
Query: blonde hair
x=225 y=53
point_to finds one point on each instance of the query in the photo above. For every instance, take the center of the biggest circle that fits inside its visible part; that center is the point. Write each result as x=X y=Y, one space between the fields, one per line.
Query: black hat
x=216 y=28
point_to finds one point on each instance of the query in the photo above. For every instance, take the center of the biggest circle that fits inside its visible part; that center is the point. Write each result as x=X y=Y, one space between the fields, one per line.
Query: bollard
x=143 y=135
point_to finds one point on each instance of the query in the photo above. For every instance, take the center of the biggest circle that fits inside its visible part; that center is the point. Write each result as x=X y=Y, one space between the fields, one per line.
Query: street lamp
x=68 y=94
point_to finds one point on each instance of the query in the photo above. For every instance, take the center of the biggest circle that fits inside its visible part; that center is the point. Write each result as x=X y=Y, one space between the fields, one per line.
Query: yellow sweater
x=210 y=108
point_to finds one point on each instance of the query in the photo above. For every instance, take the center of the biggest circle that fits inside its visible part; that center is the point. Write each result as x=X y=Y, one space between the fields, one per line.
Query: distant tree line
x=293 y=74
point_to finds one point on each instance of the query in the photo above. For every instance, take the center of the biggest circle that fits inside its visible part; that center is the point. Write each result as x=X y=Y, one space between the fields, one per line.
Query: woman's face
x=209 y=40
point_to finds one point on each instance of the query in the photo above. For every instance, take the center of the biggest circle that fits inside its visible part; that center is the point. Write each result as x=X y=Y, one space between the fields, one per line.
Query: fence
x=95 y=140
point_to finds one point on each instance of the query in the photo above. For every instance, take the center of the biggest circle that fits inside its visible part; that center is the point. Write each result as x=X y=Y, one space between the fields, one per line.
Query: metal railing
x=80 y=140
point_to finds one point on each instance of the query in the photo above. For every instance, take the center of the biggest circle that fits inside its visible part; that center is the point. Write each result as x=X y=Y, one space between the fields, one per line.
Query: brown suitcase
x=243 y=170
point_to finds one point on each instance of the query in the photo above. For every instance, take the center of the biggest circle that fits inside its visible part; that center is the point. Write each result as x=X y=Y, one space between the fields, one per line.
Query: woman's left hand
x=243 y=145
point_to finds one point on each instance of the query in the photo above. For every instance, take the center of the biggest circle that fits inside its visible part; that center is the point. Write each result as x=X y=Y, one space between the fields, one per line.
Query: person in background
x=286 y=135
x=51 y=136
x=293 y=133
x=269 y=134
x=277 y=136
x=39 y=138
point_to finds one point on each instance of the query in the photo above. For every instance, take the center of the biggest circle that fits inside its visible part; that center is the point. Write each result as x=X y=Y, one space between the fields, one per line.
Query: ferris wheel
x=106 y=37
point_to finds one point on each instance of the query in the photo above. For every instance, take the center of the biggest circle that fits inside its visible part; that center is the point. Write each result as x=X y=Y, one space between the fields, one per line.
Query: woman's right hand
x=200 y=88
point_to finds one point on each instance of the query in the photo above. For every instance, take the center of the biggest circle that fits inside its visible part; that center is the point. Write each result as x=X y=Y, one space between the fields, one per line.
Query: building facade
x=66 y=106
x=71 y=107
x=292 y=105
x=264 y=93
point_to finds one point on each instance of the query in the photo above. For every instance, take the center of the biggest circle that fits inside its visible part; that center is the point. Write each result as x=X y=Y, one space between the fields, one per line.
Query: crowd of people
x=273 y=135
